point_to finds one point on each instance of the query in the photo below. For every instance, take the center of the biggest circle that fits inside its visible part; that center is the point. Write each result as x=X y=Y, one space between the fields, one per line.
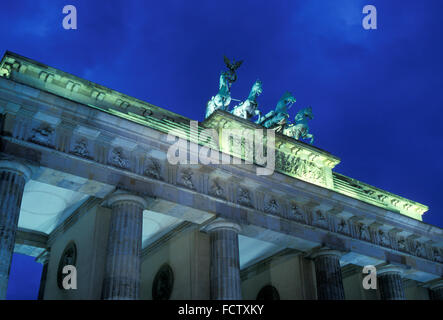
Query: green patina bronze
x=276 y=119
x=249 y=108
x=223 y=98
x=300 y=128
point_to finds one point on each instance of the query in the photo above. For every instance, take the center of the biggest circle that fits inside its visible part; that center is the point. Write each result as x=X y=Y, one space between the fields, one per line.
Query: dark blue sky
x=376 y=95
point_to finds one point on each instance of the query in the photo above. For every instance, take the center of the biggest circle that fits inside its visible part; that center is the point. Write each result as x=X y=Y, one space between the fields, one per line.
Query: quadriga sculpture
x=223 y=98
x=276 y=119
x=249 y=108
x=300 y=129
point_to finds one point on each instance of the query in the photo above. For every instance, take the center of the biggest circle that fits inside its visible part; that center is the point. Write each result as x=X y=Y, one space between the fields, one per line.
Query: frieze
x=401 y=244
x=216 y=189
x=118 y=159
x=272 y=206
x=153 y=169
x=319 y=219
x=301 y=168
x=186 y=179
x=419 y=249
x=363 y=232
x=342 y=226
x=244 y=197
x=296 y=212
x=43 y=135
x=383 y=238
x=81 y=148
x=437 y=255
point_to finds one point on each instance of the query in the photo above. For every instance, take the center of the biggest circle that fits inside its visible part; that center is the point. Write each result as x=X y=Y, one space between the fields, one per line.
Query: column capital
x=221 y=223
x=16 y=166
x=121 y=195
x=390 y=282
x=389 y=269
x=326 y=252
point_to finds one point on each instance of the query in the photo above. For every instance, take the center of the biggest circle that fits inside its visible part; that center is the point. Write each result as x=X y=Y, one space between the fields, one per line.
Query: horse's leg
x=209 y=107
x=310 y=136
x=258 y=114
x=297 y=135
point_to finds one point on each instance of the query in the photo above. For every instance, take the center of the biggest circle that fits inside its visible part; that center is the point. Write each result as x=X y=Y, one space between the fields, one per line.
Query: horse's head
x=305 y=113
x=285 y=102
x=288 y=98
x=257 y=89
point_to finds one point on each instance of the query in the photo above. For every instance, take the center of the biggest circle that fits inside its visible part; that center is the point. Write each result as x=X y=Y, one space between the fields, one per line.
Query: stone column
x=437 y=291
x=225 y=280
x=390 y=284
x=328 y=275
x=13 y=176
x=122 y=272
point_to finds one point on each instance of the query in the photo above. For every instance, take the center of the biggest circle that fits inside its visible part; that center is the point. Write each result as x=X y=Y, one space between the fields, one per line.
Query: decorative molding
x=378 y=197
x=343 y=226
x=272 y=206
x=123 y=196
x=221 y=223
x=217 y=189
x=300 y=168
x=43 y=135
x=389 y=269
x=118 y=159
x=10 y=164
x=80 y=148
x=297 y=213
x=186 y=179
x=153 y=169
x=320 y=219
x=244 y=197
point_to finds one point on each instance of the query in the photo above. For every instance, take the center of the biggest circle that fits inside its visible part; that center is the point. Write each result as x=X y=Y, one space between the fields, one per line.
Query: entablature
x=107 y=141
x=50 y=126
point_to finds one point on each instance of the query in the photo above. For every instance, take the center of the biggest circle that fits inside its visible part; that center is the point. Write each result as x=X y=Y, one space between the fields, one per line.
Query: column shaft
x=12 y=184
x=328 y=276
x=390 y=284
x=225 y=264
x=122 y=272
